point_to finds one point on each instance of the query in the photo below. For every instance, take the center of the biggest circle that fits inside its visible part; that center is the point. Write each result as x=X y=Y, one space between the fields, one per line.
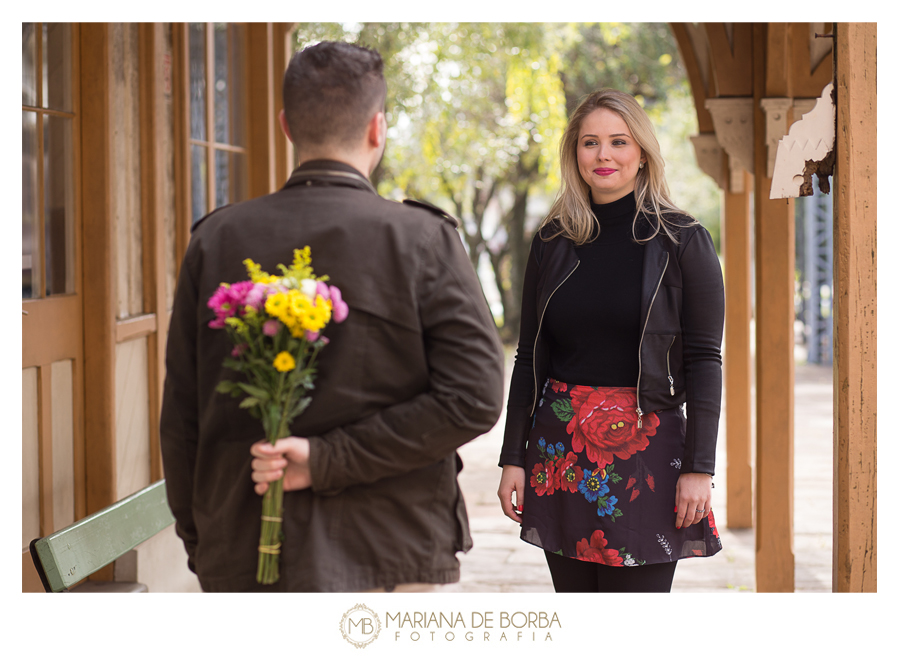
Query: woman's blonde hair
x=572 y=208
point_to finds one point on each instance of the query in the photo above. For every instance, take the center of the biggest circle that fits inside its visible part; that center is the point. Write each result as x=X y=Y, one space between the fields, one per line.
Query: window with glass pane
x=48 y=206
x=217 y=115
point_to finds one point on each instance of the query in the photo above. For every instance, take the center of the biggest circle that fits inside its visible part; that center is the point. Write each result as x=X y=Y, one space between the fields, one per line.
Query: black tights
x=571 y=575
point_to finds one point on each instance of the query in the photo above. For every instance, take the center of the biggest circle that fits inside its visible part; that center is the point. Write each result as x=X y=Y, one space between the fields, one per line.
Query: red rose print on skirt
x=568 y=475
x=543 y=478
x=596 y=551
x=605 y=424
x=558 y=387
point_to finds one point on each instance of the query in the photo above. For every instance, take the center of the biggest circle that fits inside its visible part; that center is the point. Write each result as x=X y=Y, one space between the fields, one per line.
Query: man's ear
x=282 y=121
x=376 y=132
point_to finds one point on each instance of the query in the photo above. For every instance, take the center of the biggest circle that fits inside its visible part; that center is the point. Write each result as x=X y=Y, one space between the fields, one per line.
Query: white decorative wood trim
x=708 y=152
x=809 y=140
x=803 y=106
x=733 y=121
x=776 y=111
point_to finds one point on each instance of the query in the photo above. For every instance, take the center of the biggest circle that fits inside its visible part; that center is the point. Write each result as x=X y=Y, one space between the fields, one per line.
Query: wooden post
x=774 y=231
x=737 y=358
x=262 y=122
x=181 y=104
x=98 y=271
x=281 y=49
x=855 y=511
x=154 y=238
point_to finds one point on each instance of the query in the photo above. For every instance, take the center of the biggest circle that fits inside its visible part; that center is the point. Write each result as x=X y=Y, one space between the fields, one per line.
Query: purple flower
x=339 y=308
x=271 y=327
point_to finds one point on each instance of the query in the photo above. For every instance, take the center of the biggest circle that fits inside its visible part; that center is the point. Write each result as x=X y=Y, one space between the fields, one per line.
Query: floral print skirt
x=601 y=489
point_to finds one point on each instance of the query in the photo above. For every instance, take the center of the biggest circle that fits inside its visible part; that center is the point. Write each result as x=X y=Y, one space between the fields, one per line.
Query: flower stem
x=270 y=534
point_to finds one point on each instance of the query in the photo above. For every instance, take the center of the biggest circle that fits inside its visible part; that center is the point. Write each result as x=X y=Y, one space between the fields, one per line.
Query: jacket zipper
x=669 y=369
x=647 y=319
x=540 y=324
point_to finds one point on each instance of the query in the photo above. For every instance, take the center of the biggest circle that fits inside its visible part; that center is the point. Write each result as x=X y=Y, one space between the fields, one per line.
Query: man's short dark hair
x=331 y=91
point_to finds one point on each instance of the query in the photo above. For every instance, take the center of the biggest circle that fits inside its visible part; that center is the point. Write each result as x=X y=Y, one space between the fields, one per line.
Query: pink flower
x=228 y=301
x=339 y=308
x=256 y=297
x=322 y=290
x=271 y=327
x=239 y=349
x=312 y=335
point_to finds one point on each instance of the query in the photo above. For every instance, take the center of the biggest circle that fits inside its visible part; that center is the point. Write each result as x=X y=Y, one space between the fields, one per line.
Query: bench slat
x=88 y=545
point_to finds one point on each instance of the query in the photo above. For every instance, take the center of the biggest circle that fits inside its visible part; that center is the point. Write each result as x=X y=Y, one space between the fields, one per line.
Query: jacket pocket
x=463 y=536
x=661 y=364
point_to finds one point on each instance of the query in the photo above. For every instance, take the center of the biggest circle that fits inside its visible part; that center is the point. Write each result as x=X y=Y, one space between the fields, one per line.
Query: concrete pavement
x=501 y=562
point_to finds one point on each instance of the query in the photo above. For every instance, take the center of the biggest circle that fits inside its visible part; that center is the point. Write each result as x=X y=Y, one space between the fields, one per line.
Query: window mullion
x=38 y=266
x=210 y=118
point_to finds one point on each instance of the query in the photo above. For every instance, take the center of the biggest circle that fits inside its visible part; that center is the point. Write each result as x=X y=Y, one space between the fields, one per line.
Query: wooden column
x=181 y=103
x=737 y=358
x=99 y=268
x=855 y=511
x=154 y=237
x=261 y=119
x=774 y=230
x=281 y=49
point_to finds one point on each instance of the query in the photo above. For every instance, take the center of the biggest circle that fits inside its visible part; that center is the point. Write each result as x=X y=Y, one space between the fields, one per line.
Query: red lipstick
x=603 y=171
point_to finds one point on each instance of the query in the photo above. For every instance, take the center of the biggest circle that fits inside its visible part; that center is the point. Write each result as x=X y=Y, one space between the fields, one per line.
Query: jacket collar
x=328 y=172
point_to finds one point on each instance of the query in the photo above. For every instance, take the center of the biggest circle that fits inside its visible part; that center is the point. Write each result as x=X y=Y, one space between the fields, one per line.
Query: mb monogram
x=360 y=626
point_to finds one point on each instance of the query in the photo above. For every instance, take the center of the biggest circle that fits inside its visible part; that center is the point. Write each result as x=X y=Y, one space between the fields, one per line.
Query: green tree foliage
x=476 y=110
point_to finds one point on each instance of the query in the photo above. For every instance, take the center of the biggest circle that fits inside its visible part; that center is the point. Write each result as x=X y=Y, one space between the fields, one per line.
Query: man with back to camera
x=416 y=370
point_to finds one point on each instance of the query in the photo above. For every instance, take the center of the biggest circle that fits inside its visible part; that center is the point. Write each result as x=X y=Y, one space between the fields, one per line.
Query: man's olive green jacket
x=415 y=371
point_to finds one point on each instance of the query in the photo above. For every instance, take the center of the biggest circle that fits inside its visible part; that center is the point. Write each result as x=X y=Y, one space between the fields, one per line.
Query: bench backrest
x=74 y=553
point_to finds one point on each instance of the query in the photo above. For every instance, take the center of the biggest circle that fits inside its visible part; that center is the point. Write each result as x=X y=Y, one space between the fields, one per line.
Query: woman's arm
x=521 y=387
x=703 y=317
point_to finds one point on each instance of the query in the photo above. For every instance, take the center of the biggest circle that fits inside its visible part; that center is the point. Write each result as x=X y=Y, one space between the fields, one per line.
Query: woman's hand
x=512 y=481
x=288 y=457
x=693 y=498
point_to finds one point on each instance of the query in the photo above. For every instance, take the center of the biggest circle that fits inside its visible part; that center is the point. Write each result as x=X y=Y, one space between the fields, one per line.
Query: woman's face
x=608 y=156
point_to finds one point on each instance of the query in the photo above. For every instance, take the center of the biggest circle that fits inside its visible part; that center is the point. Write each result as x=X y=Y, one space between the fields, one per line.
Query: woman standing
x=622 y=314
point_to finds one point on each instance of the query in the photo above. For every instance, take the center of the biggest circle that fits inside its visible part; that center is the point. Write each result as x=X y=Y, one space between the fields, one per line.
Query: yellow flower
x=284 y=362
x=277 y=305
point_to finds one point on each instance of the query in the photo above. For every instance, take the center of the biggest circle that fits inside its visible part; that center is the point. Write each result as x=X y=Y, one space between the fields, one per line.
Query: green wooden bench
x=74 y=553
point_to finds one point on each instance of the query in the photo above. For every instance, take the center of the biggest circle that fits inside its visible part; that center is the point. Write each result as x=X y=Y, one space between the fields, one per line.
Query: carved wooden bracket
x=733 y=121
x=776 y=111
x=708 y=152
x=807 y=149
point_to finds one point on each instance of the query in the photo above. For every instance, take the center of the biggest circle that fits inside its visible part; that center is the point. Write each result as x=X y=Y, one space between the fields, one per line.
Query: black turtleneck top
x=592 y=322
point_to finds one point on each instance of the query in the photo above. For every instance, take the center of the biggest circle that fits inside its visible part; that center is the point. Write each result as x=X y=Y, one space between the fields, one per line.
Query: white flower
x=308 y=288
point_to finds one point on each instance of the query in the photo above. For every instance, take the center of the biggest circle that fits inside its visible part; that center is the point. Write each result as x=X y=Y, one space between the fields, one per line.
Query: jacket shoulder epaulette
x=433 y=209
x=207 y=216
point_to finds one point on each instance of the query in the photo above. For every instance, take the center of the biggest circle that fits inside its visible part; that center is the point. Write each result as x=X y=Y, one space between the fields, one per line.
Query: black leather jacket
x=680 y=360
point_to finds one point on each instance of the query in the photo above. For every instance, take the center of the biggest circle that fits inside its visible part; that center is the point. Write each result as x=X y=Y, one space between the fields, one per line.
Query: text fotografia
x=478 y=626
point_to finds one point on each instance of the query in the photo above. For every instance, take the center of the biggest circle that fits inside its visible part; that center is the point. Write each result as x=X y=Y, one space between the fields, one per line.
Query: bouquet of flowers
x=275 y=322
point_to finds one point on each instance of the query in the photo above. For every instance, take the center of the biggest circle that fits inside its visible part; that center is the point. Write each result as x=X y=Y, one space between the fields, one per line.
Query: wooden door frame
x=52 y=331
